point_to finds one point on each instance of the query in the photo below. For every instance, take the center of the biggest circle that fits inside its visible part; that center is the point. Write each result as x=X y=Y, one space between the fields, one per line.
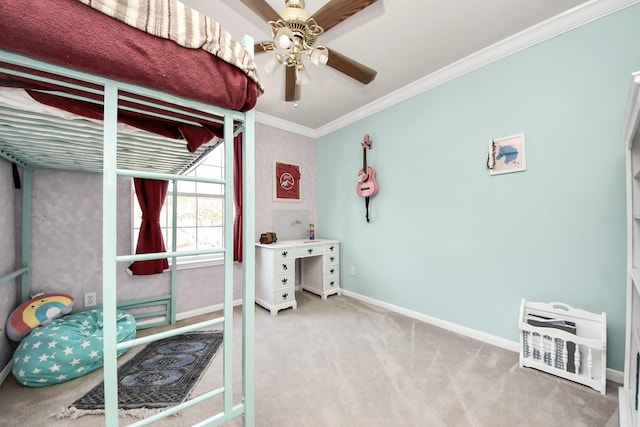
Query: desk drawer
x=332 y=248
x=331 y=283
x=331 y=271
x=284 y=281
x=311 y=250
x=285 y=266
x=331 y=259
x=284 y=253
x=284 y=295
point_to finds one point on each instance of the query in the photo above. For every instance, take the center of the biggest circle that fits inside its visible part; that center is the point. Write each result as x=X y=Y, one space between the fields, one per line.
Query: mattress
x=72 y=34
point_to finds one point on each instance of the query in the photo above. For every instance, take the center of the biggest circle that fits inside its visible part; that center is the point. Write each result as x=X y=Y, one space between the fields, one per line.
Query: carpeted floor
x=341 y=362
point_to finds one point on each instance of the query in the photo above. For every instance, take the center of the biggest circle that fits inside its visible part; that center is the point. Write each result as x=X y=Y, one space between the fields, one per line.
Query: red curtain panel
x=151 y=195
x=237 y=198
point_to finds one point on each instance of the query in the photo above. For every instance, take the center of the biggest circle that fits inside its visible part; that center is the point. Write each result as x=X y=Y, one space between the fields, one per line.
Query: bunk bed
x=165 y=86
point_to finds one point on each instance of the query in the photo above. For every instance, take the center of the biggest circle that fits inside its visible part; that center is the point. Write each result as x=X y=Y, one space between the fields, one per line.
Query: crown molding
x=552 y=27
x=279 y=123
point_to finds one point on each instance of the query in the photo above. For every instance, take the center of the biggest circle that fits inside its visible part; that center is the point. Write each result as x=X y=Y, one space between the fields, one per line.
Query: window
x=200 y=218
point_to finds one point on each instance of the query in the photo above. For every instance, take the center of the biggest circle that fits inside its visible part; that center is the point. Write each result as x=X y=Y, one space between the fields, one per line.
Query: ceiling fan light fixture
x=284 y=39
x=294 y=37
x=272 y=64
x=319 y=55
x=302 y=76
x=294 y=34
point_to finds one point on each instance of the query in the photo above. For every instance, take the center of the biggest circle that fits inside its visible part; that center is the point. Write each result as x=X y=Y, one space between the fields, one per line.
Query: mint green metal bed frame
x=115 y=153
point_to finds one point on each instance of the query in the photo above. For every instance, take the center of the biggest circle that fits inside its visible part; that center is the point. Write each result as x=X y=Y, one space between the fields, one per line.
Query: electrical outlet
x=352 y=270
x=90 y=299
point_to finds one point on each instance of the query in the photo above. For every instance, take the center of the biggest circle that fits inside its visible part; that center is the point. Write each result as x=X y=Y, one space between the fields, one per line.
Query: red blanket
x=68 y=33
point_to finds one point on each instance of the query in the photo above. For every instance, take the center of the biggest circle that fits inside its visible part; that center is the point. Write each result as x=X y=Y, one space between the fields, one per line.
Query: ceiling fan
x=295 y=34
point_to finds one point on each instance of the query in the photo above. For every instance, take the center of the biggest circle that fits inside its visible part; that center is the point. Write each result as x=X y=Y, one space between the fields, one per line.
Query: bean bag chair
x=66 y=348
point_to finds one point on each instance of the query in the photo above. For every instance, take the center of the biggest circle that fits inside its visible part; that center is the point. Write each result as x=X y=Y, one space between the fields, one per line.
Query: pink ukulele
x=367 y=185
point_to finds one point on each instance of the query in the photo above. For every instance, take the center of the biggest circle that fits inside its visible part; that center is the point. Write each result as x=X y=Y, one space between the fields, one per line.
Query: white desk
x=276 y=271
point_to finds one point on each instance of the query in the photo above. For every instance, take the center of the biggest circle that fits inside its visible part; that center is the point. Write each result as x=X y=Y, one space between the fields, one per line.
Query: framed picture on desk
x=286 y=182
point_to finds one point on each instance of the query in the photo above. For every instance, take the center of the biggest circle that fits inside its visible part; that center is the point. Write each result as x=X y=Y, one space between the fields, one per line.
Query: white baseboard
x=612 y=374
x=6 y=371
x=205 y=310
x=615 y=376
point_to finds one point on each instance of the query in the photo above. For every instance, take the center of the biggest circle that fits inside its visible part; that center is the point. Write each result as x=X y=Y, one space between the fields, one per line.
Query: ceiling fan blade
x=291 y=89
x=336 y=11
x=351 y=68
x=262 y=9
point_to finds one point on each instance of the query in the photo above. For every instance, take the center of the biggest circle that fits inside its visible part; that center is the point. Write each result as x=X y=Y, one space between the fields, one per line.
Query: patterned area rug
x=159 y=376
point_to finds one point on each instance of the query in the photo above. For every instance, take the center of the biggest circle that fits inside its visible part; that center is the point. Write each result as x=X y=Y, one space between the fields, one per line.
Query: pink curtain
x=237 y=198
x=151 y=195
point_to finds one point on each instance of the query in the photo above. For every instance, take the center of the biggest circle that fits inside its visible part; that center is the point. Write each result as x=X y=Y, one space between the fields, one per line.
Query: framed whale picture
x=507 y=155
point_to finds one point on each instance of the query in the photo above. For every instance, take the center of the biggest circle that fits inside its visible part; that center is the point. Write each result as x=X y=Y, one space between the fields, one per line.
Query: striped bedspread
x=172 y=20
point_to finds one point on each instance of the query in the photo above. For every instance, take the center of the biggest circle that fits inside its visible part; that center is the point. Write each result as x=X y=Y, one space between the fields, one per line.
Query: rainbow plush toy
x=39 y=310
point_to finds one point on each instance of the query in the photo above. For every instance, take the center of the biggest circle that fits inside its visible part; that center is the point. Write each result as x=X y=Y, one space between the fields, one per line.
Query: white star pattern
x=65 y=349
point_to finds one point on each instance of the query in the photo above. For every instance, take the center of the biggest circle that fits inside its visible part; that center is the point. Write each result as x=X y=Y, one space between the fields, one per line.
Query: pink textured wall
x=67 y=228
x=275 y=144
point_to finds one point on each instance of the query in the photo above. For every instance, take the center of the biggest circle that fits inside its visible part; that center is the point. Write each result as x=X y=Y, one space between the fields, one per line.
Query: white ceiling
x=405 y=41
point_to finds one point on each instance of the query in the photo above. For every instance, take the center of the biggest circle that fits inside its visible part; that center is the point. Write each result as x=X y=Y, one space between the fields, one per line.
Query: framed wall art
x=507 y=155
x=286 y=182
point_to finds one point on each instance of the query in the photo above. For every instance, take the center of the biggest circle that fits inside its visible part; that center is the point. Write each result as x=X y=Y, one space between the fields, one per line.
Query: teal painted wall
x=448 y=240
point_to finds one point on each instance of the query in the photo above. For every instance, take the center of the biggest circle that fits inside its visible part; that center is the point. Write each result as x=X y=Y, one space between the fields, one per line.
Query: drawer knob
x=331 y=258
x=285 y=253
x=285 y=295
x=331 y=271
x=331 y=248
x=284 y=281
x=332 y=283
x=310 y=250
x=284 y=266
